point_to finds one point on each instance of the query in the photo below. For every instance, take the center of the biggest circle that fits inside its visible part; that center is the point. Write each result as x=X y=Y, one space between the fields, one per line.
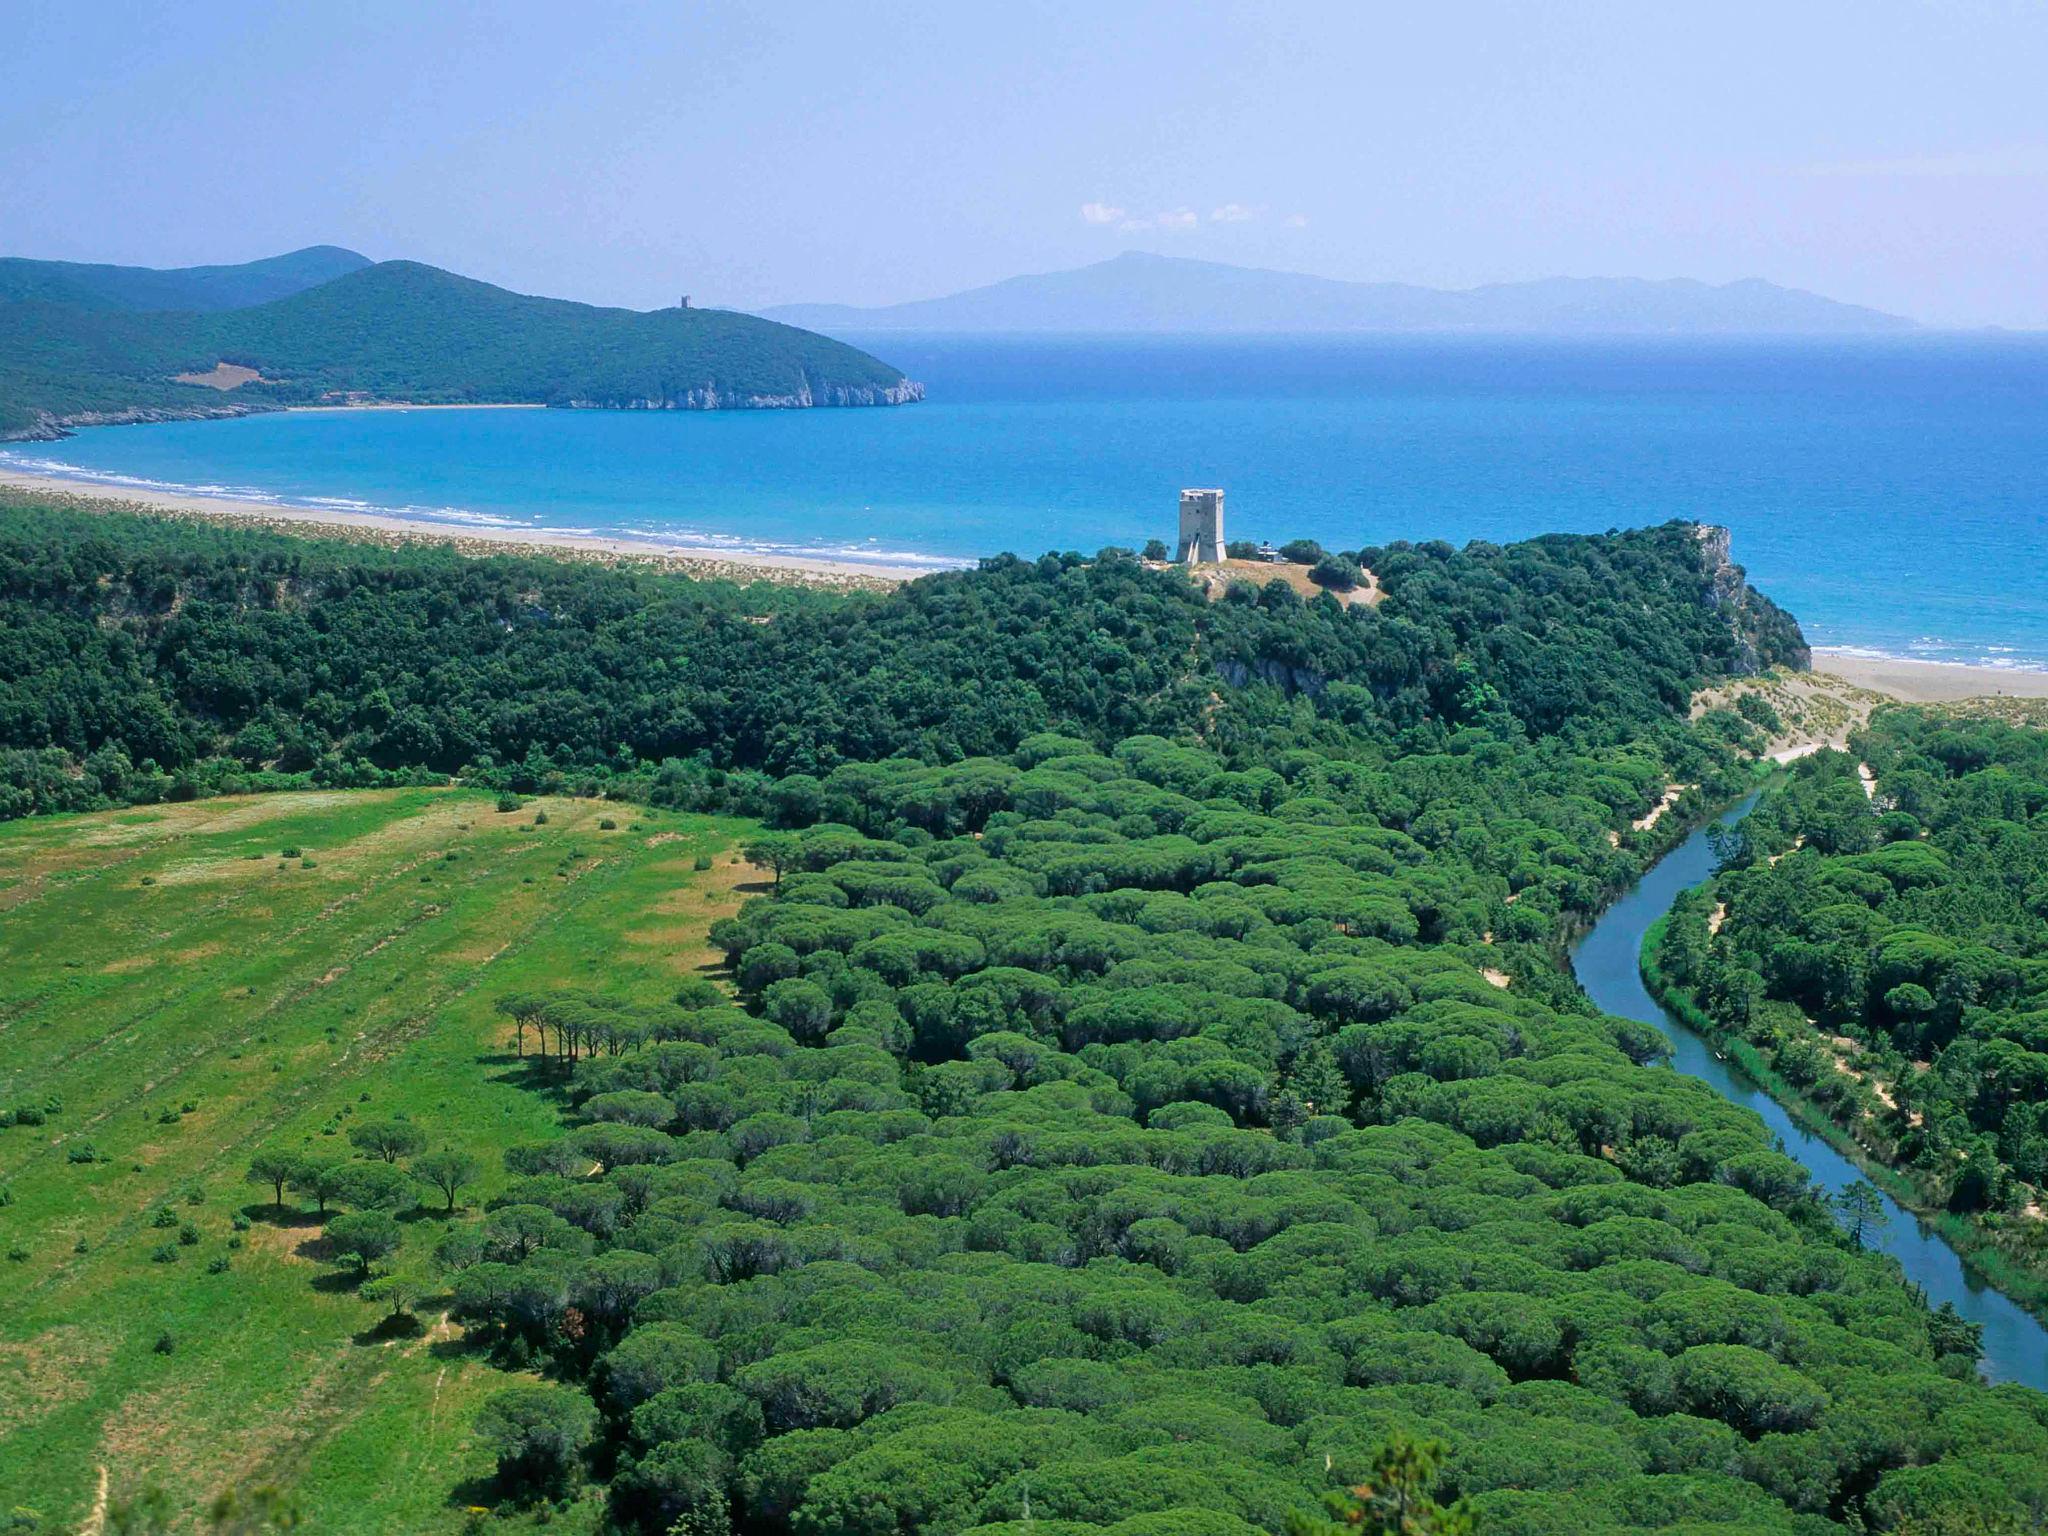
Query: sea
x=1892 y=493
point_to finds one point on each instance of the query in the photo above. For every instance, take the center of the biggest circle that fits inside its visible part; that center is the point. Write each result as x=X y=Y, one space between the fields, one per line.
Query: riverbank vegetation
x=1879 y=942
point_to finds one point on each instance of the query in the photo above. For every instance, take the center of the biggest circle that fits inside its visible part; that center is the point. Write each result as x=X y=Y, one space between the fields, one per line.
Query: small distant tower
x=1201 y=528
x=686 y=302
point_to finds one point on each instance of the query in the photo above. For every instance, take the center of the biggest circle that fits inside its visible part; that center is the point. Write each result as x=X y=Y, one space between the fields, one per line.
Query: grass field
x=181 y=995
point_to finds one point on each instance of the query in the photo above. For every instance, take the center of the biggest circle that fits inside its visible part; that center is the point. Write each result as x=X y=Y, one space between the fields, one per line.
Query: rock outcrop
x=1759 y=625
x=708 y=397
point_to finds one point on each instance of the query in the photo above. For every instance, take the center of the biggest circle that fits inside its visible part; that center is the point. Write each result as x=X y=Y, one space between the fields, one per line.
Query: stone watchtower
x=1201 y=528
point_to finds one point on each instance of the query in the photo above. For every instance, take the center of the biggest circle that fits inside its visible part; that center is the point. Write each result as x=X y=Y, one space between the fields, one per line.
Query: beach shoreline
x=1931 y=682
x=705 y=563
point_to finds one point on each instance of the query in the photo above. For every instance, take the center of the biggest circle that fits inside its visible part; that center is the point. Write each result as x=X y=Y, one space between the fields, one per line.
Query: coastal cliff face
x=47 y=427
x=1761 y=628
x=708 y=397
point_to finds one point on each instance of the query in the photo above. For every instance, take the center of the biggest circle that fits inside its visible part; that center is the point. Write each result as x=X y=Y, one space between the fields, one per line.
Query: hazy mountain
x=1140 y=292
x=91 y=286
x=401 y=331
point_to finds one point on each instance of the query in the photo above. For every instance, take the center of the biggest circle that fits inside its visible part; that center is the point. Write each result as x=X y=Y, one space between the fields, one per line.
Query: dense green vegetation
x=1144 y=1138
x=91 y=285
x=1140 y=1095
x=141 y=658
x=403 y=331
x=1885 y=946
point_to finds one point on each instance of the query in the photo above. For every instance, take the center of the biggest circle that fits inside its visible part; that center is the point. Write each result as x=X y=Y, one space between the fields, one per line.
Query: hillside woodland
x=399 y=330
x=145 y=658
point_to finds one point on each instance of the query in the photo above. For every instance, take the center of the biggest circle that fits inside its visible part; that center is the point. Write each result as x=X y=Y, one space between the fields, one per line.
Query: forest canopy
x=141 y=657
x=1883 y=940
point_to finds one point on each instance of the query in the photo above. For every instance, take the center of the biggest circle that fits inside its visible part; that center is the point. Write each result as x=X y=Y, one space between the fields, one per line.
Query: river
x=1606 y=963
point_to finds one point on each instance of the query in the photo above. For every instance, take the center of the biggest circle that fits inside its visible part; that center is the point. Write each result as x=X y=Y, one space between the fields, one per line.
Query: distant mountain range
x=1136 y=292
x=194 y=288
x=82 y=345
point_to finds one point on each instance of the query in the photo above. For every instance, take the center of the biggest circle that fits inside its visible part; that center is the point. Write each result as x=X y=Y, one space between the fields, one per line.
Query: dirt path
x=96 y=1522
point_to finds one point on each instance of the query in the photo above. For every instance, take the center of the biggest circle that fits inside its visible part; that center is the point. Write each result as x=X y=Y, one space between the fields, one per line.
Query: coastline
x=1931 y=682
x=708 y=564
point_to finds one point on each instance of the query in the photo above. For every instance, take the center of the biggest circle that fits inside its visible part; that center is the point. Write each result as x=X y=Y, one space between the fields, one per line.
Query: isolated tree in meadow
x=777 y=851
x=364 y=1237
x=373 y=1187
x=318 y=1178
x=397 y=1295
x=447 y=1170
x=277 y=1169
x=388 y=1139
x=536 y=1433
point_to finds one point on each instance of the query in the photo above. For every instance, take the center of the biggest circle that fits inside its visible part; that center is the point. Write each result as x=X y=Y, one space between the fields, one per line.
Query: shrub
x=509 y=802
x=81 y=1152
x=163 y=1253
x=1335 y=572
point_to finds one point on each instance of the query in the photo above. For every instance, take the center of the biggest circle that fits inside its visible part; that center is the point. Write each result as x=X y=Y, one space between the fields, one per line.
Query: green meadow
x=182 y=986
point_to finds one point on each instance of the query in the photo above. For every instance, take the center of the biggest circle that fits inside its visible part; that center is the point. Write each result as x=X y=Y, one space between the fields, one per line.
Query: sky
x=749 y=154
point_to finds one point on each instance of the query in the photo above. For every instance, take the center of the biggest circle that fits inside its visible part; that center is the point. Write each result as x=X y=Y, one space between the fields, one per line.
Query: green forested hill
x=210 y=653
x=403 y=331
x=95 y=286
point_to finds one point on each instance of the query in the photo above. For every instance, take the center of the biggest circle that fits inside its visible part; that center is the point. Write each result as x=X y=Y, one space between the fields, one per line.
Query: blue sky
x=1890 y=154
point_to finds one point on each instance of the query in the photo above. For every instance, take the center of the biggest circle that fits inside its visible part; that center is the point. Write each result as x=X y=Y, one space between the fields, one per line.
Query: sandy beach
x=382 y=528
x=1931 y=682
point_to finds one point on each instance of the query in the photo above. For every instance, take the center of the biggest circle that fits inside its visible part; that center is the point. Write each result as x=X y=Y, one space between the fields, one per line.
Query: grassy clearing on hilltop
x=176 y=994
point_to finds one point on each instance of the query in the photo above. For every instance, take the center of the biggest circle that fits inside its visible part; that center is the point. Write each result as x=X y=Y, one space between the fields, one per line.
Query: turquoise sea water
x=1893 y=494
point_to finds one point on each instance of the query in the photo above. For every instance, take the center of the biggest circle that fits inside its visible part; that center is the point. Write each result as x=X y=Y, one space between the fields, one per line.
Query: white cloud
x=1232 y=213
x=1297 y=221
x=1179 y=218
x=1100 y=213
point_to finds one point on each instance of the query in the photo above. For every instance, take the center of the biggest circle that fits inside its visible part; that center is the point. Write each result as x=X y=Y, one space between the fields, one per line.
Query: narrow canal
x=1605 y=960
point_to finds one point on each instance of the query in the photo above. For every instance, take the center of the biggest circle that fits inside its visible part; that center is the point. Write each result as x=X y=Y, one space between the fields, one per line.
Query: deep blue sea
x=1893 y=494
